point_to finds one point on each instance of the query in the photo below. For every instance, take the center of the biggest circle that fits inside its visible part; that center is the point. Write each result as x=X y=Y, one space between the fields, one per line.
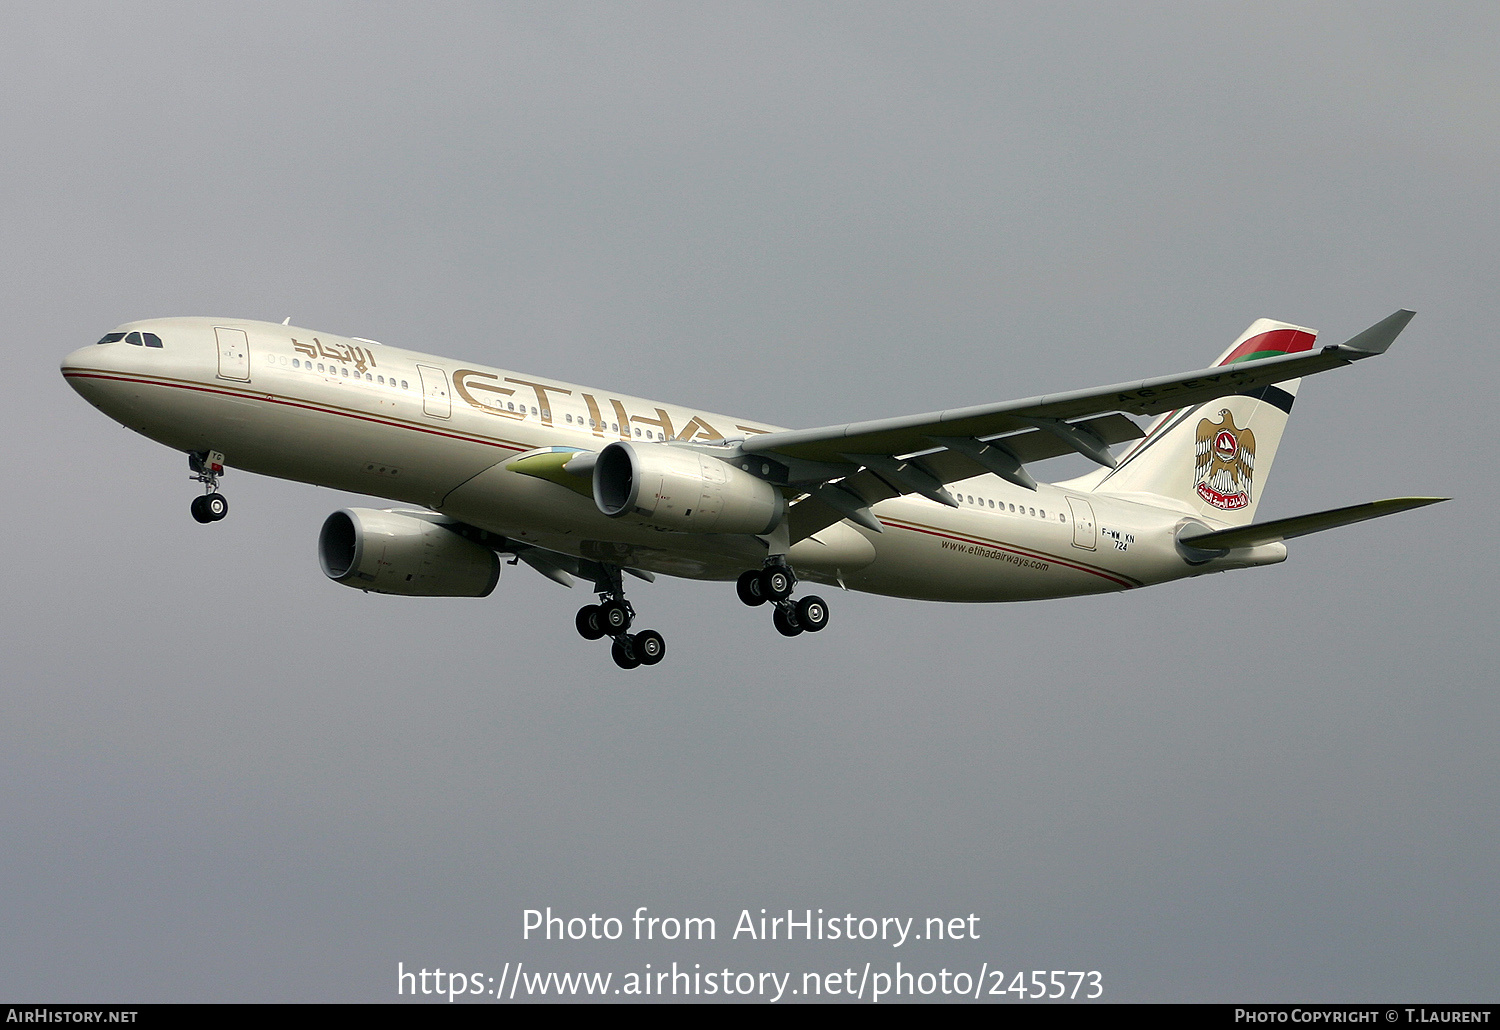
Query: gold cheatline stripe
x=395 y=421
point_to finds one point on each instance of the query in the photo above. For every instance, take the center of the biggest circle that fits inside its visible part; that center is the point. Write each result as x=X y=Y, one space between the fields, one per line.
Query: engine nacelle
x=685 y=490
x=392 y=553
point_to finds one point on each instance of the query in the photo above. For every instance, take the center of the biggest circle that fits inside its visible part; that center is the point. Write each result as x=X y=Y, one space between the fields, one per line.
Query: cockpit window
x=135 y=339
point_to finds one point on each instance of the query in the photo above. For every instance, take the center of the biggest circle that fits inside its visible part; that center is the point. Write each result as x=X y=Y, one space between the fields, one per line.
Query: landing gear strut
x=774 y=584
x=612 y=617
x=207 y=467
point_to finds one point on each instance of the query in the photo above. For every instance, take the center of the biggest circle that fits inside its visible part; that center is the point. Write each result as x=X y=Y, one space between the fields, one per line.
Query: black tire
x=200 y=511
x=812 y=613
x=614 y=618
x=776 y=583
x=649 y=646
x=623 y=654
x=748 y=586
x=216 y=506
x=785 y=621
x=587 y=622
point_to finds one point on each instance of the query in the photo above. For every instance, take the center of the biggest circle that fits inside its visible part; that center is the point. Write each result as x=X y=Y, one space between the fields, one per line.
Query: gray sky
x=224 y=778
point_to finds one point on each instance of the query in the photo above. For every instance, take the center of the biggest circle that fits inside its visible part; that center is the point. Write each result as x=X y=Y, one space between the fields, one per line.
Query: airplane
x=581 y=482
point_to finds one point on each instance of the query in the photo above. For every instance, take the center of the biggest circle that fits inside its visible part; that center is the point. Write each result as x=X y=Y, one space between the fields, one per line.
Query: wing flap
x=811 y=514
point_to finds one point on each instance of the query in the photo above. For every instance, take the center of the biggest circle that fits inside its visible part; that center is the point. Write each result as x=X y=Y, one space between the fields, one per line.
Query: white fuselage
x=353 y=415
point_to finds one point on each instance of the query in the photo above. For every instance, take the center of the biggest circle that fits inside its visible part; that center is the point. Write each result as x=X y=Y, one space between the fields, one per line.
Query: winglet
x=1378 y=338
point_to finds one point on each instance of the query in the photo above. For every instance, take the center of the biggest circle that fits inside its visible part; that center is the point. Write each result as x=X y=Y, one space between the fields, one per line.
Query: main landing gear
x=612 y=617
x=207 y=467
x=774 y=584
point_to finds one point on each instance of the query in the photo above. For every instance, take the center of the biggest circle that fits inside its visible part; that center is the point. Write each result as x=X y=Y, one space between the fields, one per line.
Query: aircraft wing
x=844 y=469
x=861 y=488
x=910 y=433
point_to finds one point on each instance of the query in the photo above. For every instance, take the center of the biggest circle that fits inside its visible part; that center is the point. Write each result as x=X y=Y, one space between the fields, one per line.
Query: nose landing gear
x=207 y=467
x=612 y=617
x=774 y=584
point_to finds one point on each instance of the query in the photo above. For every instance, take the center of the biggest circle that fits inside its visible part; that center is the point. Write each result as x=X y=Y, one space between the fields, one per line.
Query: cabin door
x=1084 y=533
x=435 y=399
x=234 y=354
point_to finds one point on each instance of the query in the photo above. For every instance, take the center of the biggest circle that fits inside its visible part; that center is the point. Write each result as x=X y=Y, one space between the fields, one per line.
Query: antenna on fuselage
x=287 y=320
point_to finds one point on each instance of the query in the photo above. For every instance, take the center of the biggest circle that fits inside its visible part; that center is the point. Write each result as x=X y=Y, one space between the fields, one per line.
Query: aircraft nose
x=82 y=368
x=76 y=358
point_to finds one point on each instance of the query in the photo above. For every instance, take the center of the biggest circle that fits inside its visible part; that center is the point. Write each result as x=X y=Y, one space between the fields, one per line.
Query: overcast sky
x=223 y=777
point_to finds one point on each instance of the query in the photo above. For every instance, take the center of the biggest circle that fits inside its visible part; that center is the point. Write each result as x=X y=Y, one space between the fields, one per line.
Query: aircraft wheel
x=587 y=622
x=750 y=588
x=785 y=621
x=624 y=656
x=216 y=506
x=614 y=617
x=812 y=613
x=776 y=583
x=200 y=511
x=649 y=646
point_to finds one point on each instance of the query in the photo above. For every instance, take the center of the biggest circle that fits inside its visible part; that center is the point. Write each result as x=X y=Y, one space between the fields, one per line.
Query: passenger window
x=403 y=384
x=320 y=366
x=296 y=362
x=112 y=338
x=637 y=430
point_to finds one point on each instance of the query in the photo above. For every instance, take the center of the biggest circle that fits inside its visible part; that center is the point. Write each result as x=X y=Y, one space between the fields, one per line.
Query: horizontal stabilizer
x=1301 y=525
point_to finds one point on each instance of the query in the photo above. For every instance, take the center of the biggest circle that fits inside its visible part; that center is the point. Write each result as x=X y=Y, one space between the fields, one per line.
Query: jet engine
x=685 y=490
x=390 y=552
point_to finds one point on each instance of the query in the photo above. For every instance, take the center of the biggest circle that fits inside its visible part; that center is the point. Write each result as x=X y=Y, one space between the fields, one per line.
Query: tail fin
x=1213 y=459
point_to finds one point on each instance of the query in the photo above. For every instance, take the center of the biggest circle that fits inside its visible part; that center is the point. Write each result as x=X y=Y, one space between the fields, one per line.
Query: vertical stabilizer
x=1212 y=460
